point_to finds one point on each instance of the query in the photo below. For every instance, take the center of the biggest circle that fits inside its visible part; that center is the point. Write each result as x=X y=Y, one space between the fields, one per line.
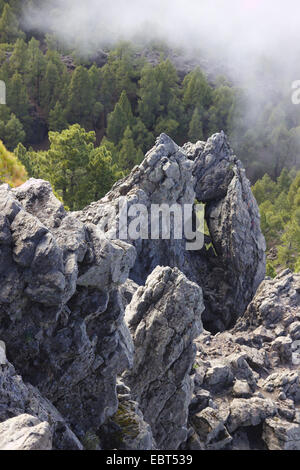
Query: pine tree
x=51 y=87
x=68 y=159
x=95 y=80
x=119 y=119
x=17 y=97
x=129 y=155
x=14 y=133
x=141 y=136
x=167 y=126
x=35 y=69
x=18 y=58
x=168 y=83
x=223 y=99
x=9 y=26
x=288 y=252
x=149 y=106
x=196 y=127
x=80 y=97
x=57 y=118
x=196 y=90
x=101 y=173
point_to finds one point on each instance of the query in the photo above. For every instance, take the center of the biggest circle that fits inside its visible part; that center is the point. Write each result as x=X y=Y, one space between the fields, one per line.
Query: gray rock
x=210 y=428
x=281 y=435
x=200 y=401
x=127 y=429
x=287 y=382
x=233 y=220
x=25 y=432
x=218 y=377
x=64 y=287
x=62 y=314
x=18 y=398
x=275 y=302
x=164 y=317
x=170 y=174
x=241 y=389
x=249 y=412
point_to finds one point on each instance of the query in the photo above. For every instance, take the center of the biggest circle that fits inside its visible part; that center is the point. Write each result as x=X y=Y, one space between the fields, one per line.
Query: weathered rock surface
x=164 y=317
x=230 y=273
x=25 y=432
x=246 y=380
x=281 y=435
x=127 y=429
x=20 y=399
x=88 y=375
x=60 y=311
x=164 y=177
x=233 y=220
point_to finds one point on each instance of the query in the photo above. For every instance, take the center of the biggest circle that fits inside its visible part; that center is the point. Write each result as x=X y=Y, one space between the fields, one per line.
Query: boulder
x=25 y=432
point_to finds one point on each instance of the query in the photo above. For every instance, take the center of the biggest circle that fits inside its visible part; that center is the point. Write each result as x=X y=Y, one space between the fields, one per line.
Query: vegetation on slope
x=11 y=170
x=279 y=204
x=129 y=95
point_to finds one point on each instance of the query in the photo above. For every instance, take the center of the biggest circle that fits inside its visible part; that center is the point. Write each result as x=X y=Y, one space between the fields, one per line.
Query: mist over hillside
x=238 y=33
x=254 y=43
x=106 y=79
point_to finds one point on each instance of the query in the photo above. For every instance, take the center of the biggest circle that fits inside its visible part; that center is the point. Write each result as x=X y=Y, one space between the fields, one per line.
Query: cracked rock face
x=230 y=272
x=164 y=317
x=127 y=428
x=164 y=177
x=18 y=399
x=61 y=314
x=232 y=216
x=246 y=380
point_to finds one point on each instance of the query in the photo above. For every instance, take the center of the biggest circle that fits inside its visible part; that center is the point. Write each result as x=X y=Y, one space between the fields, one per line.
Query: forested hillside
x=82 y=123
x=279 y=203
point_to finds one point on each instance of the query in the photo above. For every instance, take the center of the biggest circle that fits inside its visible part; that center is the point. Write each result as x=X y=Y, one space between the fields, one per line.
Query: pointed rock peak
x=218 y=145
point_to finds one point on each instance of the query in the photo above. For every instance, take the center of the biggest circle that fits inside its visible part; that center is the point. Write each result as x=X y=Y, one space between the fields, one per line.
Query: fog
x=238 y=35
x=236 y=30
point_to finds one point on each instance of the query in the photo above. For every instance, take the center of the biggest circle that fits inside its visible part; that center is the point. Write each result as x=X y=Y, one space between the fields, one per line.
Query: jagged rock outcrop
x=232 y=216
x=100 y=382
x=246 y=380
x=164 y=317
x=164 y=177
x=61 y=314
x=230 y=273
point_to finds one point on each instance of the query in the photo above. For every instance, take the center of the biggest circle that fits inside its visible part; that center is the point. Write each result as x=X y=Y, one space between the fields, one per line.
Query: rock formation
x=25 y=432
x=102 y=344
x=20 y=400
x=60 y=309
x=164 y=318
x=246 y=381
x=231 y=271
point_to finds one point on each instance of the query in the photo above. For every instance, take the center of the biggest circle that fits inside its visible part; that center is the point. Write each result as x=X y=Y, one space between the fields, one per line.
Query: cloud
x=239 y=34
x=236 y=30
